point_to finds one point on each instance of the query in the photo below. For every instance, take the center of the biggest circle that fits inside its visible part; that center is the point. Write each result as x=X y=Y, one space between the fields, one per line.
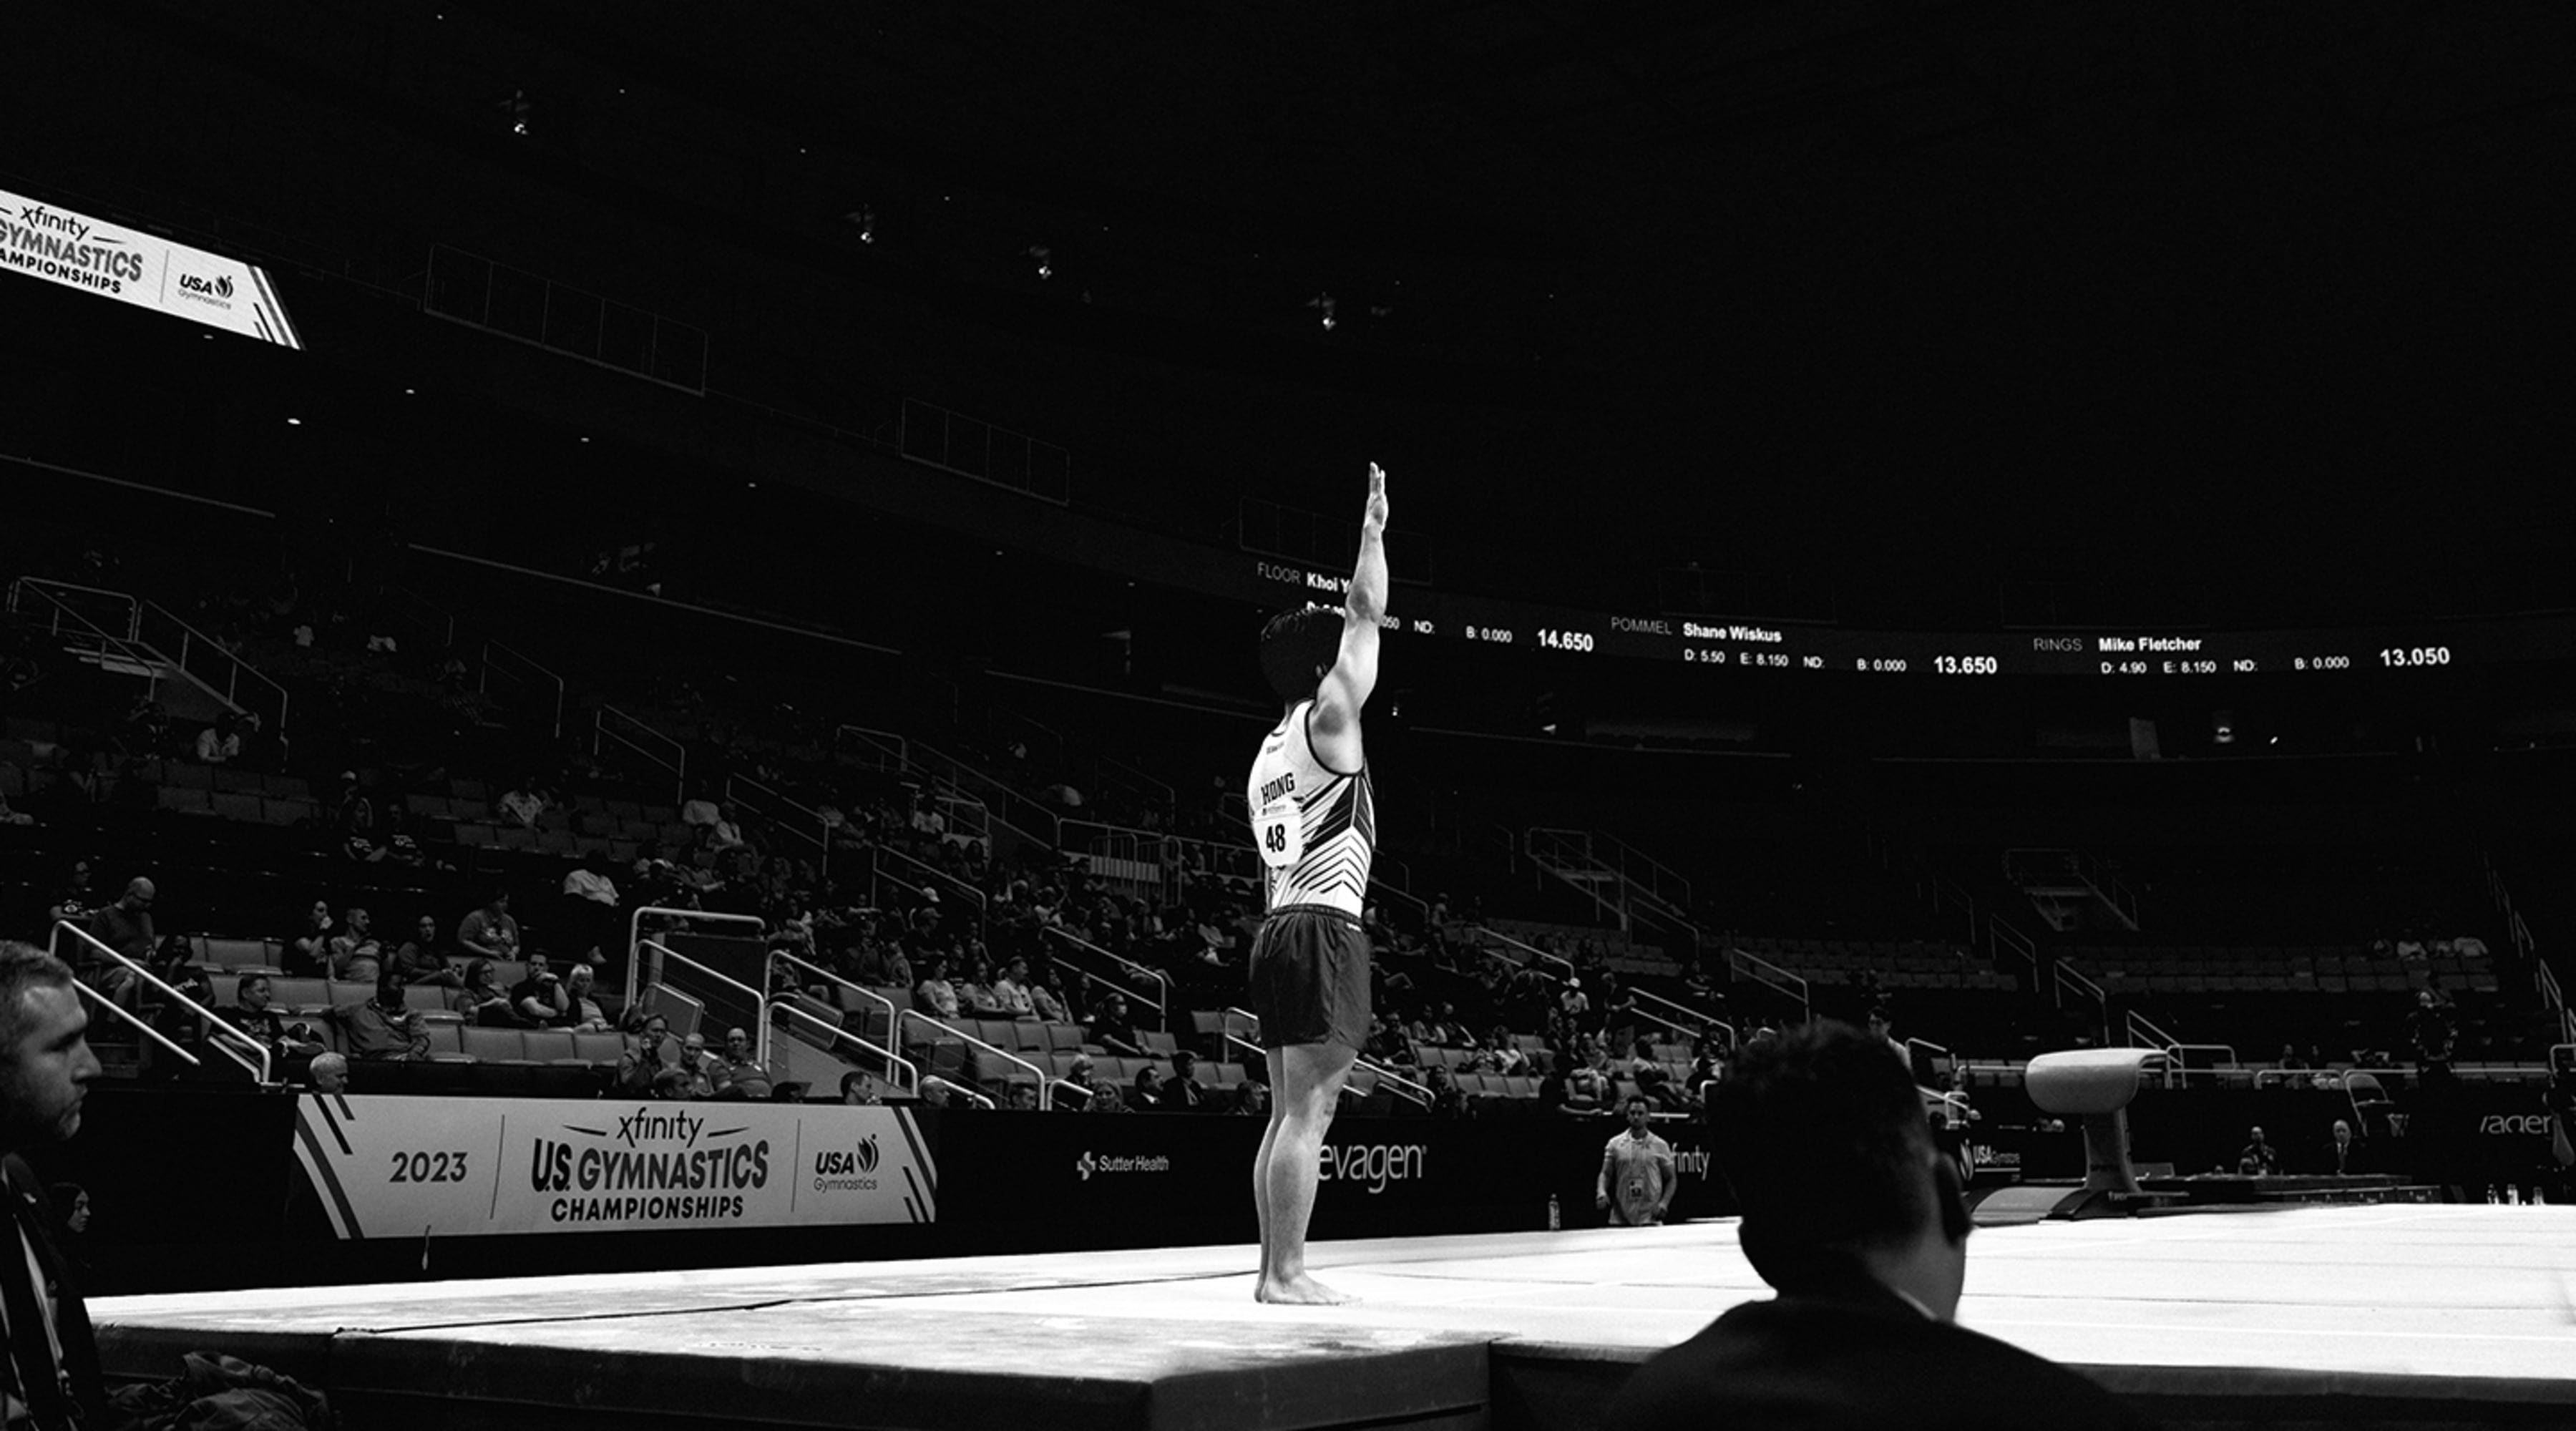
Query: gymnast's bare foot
x=1298 y=1291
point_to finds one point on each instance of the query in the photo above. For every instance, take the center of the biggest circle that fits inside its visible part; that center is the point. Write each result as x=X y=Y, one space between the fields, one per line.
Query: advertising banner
x=132 y=266
x=394 y=1165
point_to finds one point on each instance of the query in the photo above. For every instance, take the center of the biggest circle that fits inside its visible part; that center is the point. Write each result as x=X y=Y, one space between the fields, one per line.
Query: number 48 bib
x=1280 y=830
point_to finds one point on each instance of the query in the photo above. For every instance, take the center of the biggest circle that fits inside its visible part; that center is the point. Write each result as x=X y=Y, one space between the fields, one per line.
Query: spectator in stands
x=1182 y=1092
x=328 y=1073
x=541 y=1000
x=126 y=927
x=1448 y=1100
x=693 y=1076
x=1114 y=1030
x=2432 y=1033
x=2260 y=1159
x=358 y=828
x=862 y=1089
x=590 y=903
x=522 y=805
x=977 y=995
x=419 y=961
x=935 y=993
x=1086 y=1087
x=45 y=1069
x=1011 y=991
x=1146 y=1095
x=2291 y=1060
x=582 y=1013
x=382 y=1029
x=898 y=967
x=1587 y=1079
x=1573 y=1014
x=482 y=1000
x=308 y=951
x=401 y=847
x=490 y=932
x=739 y=1074
x=725 y=833
x=75 y=898
x=2341 y=1154
x=1853 y=1215
x=221 y=742
x=357 y=956
x=647 y=1056
x=1882 y=1026
x=250 y=1012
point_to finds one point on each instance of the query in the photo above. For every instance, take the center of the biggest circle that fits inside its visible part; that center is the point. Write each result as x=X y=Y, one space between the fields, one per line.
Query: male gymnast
x=1314 y=825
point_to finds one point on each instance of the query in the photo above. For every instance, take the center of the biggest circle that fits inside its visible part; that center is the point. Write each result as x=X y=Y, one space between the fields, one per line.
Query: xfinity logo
x=644 y=1123
x=1107 y=1163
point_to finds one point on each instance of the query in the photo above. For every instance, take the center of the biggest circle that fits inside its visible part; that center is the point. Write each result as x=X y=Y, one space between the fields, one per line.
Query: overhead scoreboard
x=1715 y=645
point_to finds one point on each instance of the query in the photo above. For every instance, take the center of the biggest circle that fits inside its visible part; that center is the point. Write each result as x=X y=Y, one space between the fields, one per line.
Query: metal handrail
x=2001 y=936
x=1162 y=1005
x=1775 y=977
x=914 y=756
x=760 y=1036
x=820 y=839
x=258 y=1070
x=1418 y=1094
x=892 y=1058
x=128 y=647
x=189 y=638
x=2156 y=1037
x=1532 y=950
x=1705 y=1020
x=679 y=768
x=974 y=896
x=862 y=990
x=635 y=931
x=949 y=1031
x=1171 y=797
x=46 y=585
x=1420 y=904
x=2064 y=974
x=963 y=1091
x=483 y=681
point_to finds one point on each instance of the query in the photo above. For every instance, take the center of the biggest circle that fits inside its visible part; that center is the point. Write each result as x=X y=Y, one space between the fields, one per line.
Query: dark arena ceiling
x=2241 y=301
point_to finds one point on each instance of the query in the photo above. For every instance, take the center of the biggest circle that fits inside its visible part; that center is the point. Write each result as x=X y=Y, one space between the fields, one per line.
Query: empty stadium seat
x=491 y=1045
x=550 y=1046
x=598 y=1048
x=299 y=993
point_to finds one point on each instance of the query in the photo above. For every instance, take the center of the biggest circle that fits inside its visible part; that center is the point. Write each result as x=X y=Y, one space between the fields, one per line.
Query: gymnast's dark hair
x=1823 y=1138
x=1298 y=647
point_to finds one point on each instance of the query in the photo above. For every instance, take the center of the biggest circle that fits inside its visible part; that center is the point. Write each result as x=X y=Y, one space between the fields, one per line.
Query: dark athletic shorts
x=1310 y=977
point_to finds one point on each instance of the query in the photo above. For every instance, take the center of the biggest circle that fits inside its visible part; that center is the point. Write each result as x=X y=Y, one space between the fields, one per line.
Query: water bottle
x=1555 y=1214
x=2491 y=1194
x=2513 y=1194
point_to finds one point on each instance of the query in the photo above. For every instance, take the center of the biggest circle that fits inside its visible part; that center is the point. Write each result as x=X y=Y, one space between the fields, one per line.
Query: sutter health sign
x=406 y=1166
x=129 y=265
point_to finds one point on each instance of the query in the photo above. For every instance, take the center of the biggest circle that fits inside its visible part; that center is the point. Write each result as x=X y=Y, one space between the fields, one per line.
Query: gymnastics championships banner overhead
x=144 y=269
x=404 y=1166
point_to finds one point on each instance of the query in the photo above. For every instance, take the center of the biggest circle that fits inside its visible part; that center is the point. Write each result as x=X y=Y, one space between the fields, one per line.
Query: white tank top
x=1315 y=828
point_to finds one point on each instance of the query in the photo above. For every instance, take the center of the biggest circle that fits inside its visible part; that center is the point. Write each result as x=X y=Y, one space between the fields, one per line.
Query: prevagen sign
x=50 y=242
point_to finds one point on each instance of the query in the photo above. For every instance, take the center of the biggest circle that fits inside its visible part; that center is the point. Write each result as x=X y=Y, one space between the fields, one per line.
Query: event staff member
x=1314 y=825
x=1856 y=1219
x=1637 y=1179
x=52 y=1376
